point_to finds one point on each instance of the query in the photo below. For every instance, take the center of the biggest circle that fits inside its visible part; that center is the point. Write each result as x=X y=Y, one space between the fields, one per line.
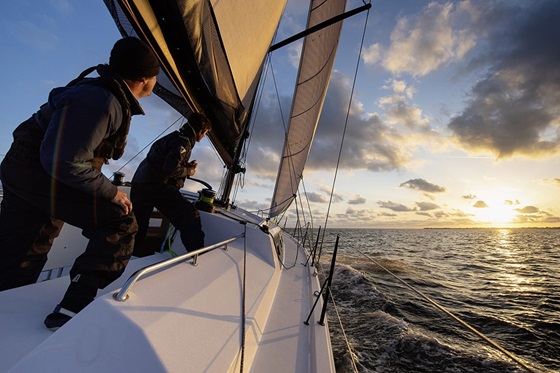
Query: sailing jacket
x=71 y=129
x=167 y=161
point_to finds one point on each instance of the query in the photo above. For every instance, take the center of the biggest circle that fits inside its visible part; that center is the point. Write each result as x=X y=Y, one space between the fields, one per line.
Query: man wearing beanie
x=52 y=174
x=157 y=181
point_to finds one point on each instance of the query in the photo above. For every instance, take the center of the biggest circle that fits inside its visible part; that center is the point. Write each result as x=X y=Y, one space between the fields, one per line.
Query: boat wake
x=374 y=331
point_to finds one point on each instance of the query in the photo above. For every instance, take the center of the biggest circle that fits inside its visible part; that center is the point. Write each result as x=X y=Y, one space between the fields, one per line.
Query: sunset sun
x=494 y=211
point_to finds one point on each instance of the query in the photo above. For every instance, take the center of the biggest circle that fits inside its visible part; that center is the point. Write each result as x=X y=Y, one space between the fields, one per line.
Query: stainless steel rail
x=122 y=295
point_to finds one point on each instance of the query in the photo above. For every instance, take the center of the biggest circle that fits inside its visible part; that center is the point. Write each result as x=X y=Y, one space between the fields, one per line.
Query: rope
x=353 y=356
x=170 y=234
x=456 y=318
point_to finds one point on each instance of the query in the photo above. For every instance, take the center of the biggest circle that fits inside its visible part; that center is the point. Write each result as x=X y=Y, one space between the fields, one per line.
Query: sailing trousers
x=33 y=210
x=168 y=200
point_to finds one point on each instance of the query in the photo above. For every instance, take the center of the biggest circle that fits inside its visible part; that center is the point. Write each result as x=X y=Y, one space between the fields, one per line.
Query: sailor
x=158 y=179
x=52 y=174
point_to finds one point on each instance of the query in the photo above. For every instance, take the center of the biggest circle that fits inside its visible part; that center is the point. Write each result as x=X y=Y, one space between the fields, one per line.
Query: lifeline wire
x=150 y=143
x=472 y=329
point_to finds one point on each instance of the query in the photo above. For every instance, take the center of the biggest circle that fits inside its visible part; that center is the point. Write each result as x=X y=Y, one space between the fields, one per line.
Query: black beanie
x=132 y=59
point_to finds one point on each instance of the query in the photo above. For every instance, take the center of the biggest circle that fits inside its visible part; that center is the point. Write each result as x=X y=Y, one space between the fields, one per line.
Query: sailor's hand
x=191 y=167
x=122 y=200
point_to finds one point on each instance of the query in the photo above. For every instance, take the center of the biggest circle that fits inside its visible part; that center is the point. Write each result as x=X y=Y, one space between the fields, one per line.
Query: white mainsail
x=316 y=64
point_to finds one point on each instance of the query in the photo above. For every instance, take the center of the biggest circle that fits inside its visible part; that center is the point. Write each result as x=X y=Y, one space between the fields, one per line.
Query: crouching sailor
x=52 y=174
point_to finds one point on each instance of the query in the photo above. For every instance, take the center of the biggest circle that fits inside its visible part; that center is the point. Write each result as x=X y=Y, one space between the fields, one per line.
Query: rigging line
x=247 y=144
x=255 y=112
x=243 y=299
x=353 y=356
x=456 y=318
x=310 y=223
x=150 y=143
x=308 y=204
x=345 y=124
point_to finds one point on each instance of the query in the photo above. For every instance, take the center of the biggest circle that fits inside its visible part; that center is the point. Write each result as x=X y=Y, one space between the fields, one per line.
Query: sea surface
x=503 y=283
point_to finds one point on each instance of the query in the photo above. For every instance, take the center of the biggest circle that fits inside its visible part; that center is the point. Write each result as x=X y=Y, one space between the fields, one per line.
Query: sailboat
x=253 y=301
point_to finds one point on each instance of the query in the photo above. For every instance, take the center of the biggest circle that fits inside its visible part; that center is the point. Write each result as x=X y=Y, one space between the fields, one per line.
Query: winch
x=206 y=200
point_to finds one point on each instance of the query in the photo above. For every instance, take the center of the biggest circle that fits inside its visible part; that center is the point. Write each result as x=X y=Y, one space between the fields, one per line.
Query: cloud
x=555 y=181
x=513 y=107
x=469 y=196
x=369 y=143
x=427 y=206
x=528 y=210
x=397 y=108
x=422 y=185
x=480 y=205
x=532 y=214
x=511 y=203
x=357 y=200
x=335 y=196
x=422 y=43
x=316 y=197
x=251 y=205
x=394 y=206
x=372 y=54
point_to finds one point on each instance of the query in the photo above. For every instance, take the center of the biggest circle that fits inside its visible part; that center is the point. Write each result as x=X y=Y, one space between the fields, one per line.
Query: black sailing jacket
x=83 y=116
x=167 y=161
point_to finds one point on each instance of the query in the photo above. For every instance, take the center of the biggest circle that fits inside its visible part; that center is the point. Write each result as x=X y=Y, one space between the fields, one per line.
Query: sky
x=454 y=120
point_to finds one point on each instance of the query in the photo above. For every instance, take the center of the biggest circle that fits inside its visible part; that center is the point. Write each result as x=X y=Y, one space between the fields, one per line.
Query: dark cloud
x=335 y=197
x=387 y=214
x=427 y=214
x=256 y=206
x=368 y=142
x=357 y=200
x=427 y=206
x=422 y=185
x=394 y=206
x=513 y=108
x=532 y=214
x=317 y=197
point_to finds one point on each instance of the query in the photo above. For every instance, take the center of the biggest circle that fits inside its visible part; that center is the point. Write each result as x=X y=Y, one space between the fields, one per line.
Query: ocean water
x=505 y=283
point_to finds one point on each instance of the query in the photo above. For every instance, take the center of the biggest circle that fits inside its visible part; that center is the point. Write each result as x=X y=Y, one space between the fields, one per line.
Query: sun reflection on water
x=511 y=274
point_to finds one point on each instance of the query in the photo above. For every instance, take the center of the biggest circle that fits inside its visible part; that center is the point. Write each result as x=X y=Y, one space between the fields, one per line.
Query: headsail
x=317 y=60
x=210 y=53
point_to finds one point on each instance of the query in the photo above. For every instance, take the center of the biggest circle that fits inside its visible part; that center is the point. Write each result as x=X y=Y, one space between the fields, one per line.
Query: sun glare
x=495 y=212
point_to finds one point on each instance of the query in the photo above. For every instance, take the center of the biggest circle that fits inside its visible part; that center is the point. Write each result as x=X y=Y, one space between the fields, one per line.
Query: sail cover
x=211 y=53
x=316 y=63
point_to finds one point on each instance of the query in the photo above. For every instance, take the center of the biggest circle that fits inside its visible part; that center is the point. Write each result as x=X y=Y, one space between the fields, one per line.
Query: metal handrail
x=122 y=295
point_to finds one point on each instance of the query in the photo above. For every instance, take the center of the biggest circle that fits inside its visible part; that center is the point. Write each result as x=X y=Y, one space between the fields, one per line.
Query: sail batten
x=316 y=64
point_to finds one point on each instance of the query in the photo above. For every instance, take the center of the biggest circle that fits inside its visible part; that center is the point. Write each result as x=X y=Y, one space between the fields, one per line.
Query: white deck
x=182 y=319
